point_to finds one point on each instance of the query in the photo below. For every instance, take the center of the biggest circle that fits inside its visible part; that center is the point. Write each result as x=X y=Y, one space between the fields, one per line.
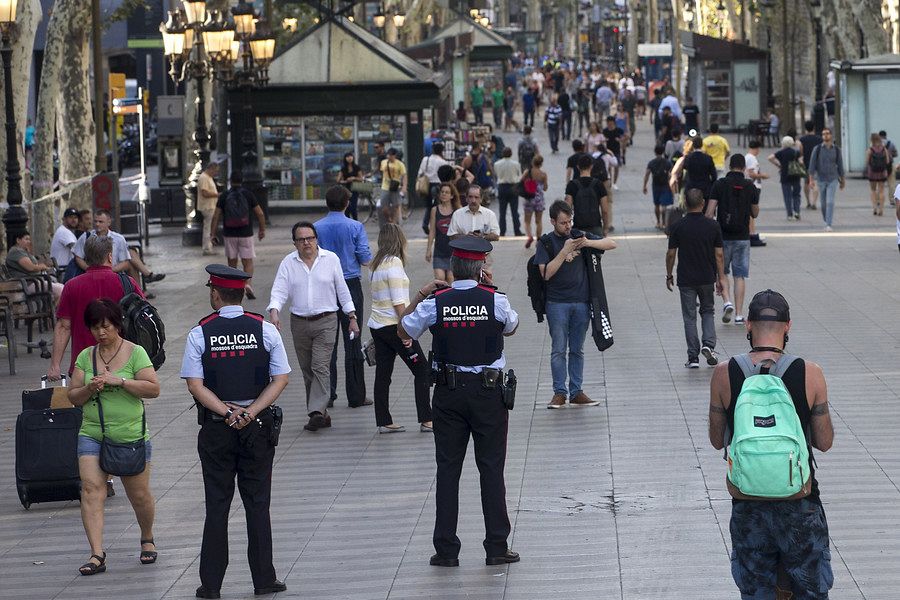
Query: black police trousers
x=247 y=453
x=470 y=409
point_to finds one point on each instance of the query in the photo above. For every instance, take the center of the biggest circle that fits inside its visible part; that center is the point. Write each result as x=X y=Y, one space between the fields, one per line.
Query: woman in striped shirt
x=390 y=296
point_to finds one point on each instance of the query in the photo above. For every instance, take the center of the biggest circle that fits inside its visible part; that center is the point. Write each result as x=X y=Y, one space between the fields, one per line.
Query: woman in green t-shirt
x=124 y=377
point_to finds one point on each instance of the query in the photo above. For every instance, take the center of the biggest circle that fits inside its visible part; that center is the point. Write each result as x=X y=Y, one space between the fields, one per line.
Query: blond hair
x=391 y=242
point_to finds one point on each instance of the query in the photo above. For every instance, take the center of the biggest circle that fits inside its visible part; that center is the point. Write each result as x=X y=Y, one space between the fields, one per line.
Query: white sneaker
x=693 y=363
x=739 y=320
x=828 y=228
x=727 y=312
x=615 y=187
x=712 y=359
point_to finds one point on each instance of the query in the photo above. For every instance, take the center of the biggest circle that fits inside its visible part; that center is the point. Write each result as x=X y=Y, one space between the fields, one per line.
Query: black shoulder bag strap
x=127 y=288
x=100 y=404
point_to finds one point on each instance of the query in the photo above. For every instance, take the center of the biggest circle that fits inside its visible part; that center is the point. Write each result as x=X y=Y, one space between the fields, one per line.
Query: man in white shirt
x=429 y=168
x=313 y=279
x=474 y=219
x=508 y=175
x=752 y=172
x=124 y=259
x=64 y=238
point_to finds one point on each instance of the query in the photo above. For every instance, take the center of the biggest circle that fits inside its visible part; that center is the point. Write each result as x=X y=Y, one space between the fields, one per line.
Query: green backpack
x=768 y=455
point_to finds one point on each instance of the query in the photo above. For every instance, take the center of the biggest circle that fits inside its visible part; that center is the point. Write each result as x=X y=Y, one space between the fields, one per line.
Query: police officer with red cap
x=468 y=322
x=235 y=366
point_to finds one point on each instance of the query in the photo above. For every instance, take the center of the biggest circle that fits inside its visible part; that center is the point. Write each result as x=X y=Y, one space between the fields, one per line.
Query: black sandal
x=90 y=568
x=148 y=557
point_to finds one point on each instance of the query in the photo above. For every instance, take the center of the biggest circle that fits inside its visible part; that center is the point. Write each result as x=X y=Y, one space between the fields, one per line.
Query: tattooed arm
x=821 y=428
x=719 y=397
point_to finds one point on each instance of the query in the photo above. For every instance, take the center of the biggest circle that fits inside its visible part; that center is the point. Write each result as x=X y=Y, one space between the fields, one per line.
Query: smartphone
x=577 y=235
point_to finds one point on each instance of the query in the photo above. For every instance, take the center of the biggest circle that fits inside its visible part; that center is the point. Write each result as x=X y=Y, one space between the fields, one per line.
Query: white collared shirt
x=430 y=165
x=312 y=291
x=464 y=221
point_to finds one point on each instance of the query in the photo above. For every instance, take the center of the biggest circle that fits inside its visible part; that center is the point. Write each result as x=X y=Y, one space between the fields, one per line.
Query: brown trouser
x=313 y=342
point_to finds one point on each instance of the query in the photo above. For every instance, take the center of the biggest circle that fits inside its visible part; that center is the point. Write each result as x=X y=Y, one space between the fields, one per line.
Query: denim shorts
x=662 y=196
x=790 y=536
x=88 y=446
x=737 y=257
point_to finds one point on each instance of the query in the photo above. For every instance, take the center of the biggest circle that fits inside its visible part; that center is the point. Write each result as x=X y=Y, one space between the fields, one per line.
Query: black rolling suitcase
x=47 y=456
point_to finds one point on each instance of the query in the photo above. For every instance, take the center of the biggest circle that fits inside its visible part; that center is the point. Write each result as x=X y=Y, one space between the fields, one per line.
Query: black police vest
x=466 y=332
x=235 y=361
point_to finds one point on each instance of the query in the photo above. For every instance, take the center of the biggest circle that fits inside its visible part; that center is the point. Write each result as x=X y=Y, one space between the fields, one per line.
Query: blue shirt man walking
x=347 y=238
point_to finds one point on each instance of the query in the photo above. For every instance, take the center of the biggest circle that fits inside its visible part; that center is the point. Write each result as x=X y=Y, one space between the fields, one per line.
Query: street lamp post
x=207 y=46
x=721 y=14
x=15 y=218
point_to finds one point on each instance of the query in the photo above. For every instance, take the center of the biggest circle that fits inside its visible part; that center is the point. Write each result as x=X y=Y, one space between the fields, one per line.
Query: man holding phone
x=568 y=310
x=474 y=219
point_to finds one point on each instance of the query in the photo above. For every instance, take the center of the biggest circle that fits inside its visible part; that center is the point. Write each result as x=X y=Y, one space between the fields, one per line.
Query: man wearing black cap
x=468 y=322
x=64 y=238
x=235 y=366
x=778 y=542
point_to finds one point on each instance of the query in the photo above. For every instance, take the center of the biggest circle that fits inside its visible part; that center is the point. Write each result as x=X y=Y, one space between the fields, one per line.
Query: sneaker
x=558 y=401
x=739 y=320
x=154 y=277
x=828 y=228
x=712 y=359
x=727 y=312
x=692 y=363
x=796 y=216
x=581 y=399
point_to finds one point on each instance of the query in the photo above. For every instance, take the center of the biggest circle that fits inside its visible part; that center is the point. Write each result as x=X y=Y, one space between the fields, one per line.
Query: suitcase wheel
x=23 y=497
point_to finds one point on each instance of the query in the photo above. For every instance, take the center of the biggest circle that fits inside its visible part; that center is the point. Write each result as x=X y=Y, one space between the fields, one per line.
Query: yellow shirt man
x=717 y=147
x=392 y=170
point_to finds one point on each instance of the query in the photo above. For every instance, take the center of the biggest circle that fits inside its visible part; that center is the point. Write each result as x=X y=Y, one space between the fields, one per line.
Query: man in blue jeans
x=568 y=309
x=733 y=200
x=827 y=166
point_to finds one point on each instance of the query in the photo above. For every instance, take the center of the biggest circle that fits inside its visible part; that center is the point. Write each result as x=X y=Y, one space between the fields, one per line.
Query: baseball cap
x=769 y=305
x=71 y=212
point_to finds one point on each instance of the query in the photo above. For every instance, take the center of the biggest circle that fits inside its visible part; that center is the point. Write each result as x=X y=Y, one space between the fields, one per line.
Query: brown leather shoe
x=581 y=399
x=317 y=421
x=558 y=401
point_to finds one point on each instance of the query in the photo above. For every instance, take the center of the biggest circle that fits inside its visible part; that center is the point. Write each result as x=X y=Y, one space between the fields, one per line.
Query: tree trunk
x=27 y=18
x=868 y=15
x=841 y=34
x=74 y=115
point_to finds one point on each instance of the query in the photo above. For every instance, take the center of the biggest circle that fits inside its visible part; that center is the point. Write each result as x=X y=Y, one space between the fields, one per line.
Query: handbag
x=527 y=187
x=393 y=184
x=796 y=169
x=121 y=459
x=423 y=184
x=368 y=352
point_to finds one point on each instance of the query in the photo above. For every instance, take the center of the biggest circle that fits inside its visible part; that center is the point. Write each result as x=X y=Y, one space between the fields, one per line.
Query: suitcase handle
x=63 y=379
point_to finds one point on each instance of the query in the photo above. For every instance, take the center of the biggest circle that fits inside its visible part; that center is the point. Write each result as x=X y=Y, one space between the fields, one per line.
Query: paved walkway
x=625 y=500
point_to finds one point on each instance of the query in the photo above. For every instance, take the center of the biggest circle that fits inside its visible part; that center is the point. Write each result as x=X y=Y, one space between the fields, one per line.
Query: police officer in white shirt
x=314 y=280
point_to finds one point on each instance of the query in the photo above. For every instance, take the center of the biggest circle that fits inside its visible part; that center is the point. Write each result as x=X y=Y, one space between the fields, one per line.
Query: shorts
x=791 y=535
x=88 y=446
x=440 y=262
x=240 y=247
x=662 y=196
x=535 y=204
x=737 y=257
x=390 y=199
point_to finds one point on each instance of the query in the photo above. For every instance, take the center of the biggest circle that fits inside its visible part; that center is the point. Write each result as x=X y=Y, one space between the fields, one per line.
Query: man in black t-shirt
x=691 y=114
x=236 y=207
x=587 y=197
x=568 y=306
x=699 y=169
x=697 y=242
x=732 y=202
x=613 y=137
x=809 y=141
x=658 y=171
x=572 y=161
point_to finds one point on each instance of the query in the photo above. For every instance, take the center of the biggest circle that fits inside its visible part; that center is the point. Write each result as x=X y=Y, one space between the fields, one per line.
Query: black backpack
x=586 y=204
x=660 y=169
x=878 y=161
x=537 y=286
x=142 y=323
x=527 y=150
x=733 y=212
x=237 y=209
